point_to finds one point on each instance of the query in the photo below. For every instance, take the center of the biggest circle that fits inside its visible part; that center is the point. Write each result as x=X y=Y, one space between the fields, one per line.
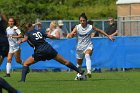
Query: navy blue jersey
x=3 y=35
x=36 y=38
x=43 y=50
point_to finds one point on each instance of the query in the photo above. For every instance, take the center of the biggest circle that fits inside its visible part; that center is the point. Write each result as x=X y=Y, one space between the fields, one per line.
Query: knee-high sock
x=8 y=68
x=25 y=70
x=72 y=66
x=88 y=63
x=6 y=86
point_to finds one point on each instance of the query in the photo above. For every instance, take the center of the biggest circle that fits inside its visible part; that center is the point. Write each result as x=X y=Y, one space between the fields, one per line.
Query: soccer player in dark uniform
x=42 y=51
x=4 y=45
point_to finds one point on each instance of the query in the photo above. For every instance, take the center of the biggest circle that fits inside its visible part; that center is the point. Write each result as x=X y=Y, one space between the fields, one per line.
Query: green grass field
x=63 y=82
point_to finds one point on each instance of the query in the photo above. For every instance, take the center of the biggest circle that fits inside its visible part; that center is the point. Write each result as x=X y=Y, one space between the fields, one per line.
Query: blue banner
x=124 y=52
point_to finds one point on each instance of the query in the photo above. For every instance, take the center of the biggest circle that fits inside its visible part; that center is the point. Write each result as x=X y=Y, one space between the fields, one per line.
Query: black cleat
x=7 y=75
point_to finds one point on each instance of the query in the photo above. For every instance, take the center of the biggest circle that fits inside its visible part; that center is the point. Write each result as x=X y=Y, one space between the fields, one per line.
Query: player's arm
x=72 y=34
x=115 y=33
x=103 y=32
x=19 y=35
x=23 y=40
x=51 y=36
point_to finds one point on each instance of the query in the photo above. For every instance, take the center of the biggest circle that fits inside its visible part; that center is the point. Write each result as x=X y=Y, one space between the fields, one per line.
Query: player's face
x=83 y=21
x=11 y=22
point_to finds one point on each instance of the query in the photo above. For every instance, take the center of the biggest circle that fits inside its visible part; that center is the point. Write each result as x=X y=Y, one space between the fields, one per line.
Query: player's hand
x=19 y=42
x=69 y=35
x=111 y=37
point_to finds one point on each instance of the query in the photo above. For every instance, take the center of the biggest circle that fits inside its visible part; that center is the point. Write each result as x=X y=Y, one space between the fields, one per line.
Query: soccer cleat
x=80 y=77
x=89 y=75
x=7 y=75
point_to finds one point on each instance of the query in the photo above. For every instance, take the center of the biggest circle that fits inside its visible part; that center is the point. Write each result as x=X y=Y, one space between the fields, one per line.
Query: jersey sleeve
x=17 y=30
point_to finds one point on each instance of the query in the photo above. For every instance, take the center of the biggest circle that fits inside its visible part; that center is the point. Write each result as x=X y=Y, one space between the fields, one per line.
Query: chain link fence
x=69 y=24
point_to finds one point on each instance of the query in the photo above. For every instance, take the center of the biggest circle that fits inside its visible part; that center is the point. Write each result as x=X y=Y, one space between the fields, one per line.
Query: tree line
x=29 y=10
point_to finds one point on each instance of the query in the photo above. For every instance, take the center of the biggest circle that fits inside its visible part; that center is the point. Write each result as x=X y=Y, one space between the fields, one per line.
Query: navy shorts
x=4 y=49
x=44 y=52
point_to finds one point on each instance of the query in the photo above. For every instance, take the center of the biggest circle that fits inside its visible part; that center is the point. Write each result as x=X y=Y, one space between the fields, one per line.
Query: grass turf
x=63 y=82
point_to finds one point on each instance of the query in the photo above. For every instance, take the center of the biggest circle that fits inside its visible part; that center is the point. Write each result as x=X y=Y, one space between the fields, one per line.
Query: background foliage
x=57 y=9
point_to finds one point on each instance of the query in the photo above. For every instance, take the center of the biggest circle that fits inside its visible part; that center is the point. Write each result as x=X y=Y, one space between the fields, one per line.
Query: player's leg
x=63 y=61
x=25 y=68
x=8 y=66
x=79 y=63
x=88 y=61
x=4 y=84
x=79 y=56
x=17 y=56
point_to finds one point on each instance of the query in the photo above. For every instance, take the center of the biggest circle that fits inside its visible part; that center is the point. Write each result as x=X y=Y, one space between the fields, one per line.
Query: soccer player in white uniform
x=13 y=33
x=85 y=46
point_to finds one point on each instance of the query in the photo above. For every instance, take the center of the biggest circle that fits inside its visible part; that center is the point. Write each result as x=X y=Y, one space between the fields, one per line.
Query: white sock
x=8 y=68
x=88 y=63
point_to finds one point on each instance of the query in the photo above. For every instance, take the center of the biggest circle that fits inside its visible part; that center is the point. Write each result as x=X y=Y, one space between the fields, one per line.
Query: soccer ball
x=80 y=77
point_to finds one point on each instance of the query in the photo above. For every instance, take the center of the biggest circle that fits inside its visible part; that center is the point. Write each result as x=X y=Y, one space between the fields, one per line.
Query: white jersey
x=84 y=37
x=13 y=32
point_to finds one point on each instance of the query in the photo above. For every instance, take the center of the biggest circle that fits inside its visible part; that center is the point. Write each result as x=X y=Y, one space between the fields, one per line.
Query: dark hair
x=28 y=25
x=83 y=15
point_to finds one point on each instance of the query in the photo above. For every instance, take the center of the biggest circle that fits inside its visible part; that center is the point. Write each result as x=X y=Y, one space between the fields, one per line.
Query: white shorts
x=13 y=49
x=80 y=53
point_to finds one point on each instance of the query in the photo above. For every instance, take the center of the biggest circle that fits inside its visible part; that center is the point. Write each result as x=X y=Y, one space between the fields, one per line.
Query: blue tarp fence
x=124 y=52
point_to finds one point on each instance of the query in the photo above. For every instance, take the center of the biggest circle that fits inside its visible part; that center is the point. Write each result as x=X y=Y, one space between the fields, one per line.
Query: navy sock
x=72 y=66
x=25 y=70
x=4 y=84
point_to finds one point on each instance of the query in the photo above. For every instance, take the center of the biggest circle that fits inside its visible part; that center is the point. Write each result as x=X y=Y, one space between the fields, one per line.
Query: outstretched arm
x=18 y=36
x=72 y=34
x=23 y=40
x=103 y=32
x=51 y=36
